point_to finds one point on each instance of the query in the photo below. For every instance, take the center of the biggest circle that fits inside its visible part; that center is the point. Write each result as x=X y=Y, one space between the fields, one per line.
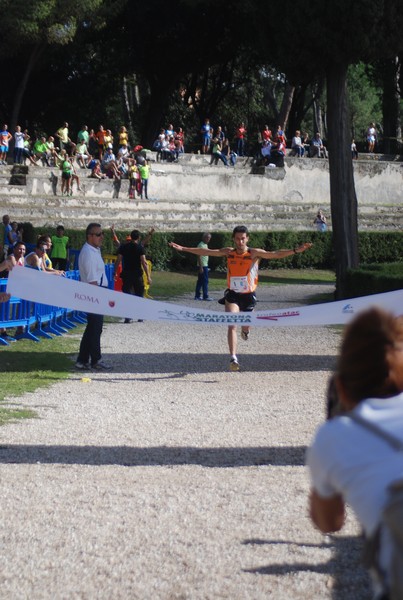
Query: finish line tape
x=45 y=288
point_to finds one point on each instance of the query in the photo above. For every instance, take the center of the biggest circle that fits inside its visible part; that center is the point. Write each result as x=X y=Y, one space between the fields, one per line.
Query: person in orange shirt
x=242 y=278
x=100 y=136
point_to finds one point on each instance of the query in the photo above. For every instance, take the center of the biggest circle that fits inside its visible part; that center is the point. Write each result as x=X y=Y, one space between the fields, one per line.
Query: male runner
x=242 y=278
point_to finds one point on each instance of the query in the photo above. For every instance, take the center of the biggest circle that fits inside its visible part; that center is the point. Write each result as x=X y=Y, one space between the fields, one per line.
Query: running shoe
x=245 y=335
x=82 y=366
x=234 y=365
x=100 y=366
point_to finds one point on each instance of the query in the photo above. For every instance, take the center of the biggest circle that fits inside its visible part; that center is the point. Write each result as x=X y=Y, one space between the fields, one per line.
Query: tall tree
x=326 y=38
x=30 y=29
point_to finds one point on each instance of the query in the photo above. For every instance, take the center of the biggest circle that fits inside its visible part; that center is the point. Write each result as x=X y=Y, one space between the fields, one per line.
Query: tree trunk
x=160 y=91
x=286 y=105
x=23 y=82
x=342 y=189
x=391 y=105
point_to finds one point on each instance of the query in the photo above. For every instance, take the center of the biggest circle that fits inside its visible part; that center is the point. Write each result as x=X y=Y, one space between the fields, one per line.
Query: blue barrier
x=45 y=320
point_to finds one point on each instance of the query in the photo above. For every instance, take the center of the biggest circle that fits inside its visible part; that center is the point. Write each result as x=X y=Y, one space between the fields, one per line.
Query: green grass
x=26 y=366
x=170 y=285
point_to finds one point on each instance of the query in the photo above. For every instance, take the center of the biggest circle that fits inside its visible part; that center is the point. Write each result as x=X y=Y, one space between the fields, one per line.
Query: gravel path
x=171 y=478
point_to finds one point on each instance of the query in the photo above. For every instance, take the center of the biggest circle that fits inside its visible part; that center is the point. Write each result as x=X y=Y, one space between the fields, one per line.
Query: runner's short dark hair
x=240 y=229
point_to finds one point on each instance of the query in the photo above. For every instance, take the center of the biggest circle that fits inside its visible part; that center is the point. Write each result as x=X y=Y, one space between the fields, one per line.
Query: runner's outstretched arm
x=201 y=251
x=259 y=253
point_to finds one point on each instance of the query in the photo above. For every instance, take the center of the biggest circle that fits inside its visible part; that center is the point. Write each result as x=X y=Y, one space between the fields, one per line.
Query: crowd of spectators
x=48 y=253
x=104 y=155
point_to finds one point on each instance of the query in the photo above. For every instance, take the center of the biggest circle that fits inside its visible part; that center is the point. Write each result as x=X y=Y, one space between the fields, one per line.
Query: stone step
x=191 y=195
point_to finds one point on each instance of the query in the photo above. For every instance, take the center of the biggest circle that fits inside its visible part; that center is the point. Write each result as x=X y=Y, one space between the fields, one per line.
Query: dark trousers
x=59 y=263
x=90 y=347
x=132 y=284
x=202 y=283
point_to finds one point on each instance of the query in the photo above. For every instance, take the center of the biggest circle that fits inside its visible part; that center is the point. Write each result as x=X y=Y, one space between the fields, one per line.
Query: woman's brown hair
x=363 y=366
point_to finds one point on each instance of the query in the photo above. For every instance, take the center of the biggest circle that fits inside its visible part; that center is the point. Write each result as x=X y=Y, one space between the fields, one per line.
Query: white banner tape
x=44 y=288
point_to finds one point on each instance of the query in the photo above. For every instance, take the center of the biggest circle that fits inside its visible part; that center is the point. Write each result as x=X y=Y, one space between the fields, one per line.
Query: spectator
x=277 y=152
x=14 y=236
x=123 y=138
x=62 y=136
x=108 y=139
x=74 y=177
x=297 y=147
x=92 y=270
x=109 y=165
x=320 y=221
x=281 y=134
x=27 y=151
x=202 y=262
x=317 y=147
x=144 y=171
x=217 y=154
x=8 y=239
x=354 y=151
x=19 y=138
x=180 y=140
x=206 y=136
x=5 y=137
x=82 y=155
x=134 y=179
x=60 y=248
x=170 y=132
x=133 y=259
x=100 y=136
x=67 y=172
x=83 y=135
x=41 y=151
x=265 y=151
x=371 y=137
x=349 y=462
x=229 y=154
x=240 y=136
x=52 y=155
x=159 y=144
x=93 y=144
x=36 y=258
x=47 y=240
x=266 y=134
x=96 y=172
x=220 y=135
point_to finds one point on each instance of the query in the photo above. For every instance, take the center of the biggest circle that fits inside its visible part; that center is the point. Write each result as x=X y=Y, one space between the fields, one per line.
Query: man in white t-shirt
x=92 y=270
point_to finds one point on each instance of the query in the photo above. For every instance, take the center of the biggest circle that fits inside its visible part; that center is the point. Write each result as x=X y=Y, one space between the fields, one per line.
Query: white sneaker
x=234 y=365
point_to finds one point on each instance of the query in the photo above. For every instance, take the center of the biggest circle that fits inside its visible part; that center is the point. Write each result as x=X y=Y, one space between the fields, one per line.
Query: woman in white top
x=19 y=138
x=348 y=462
x=371 y=137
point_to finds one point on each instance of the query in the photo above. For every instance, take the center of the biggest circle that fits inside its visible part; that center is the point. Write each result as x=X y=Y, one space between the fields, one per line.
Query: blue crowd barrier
x=34 y=320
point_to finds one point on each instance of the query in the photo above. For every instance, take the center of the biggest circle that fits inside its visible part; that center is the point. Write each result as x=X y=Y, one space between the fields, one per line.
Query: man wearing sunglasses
x=92 y=270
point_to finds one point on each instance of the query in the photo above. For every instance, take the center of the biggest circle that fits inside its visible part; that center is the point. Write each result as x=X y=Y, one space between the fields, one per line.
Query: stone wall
x=192 y=195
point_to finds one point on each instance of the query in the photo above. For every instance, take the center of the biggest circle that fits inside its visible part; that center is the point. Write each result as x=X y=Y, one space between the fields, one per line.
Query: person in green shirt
x=60 y=248
x=202 y=280
x=41 y=150
x=67 y=172
x=144 y=171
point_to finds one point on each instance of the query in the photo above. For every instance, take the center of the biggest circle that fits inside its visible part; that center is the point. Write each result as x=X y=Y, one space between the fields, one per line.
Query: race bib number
x=239 y=284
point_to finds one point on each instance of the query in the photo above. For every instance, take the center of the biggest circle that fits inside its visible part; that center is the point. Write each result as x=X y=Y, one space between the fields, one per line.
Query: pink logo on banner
x=111 y=303
x=294 y=313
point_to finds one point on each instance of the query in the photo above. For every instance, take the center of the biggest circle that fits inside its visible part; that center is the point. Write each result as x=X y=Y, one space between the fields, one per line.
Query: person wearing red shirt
x=240 y=136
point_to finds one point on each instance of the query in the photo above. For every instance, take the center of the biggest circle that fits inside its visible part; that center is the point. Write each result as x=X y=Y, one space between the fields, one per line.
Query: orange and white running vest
x=242 y=274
